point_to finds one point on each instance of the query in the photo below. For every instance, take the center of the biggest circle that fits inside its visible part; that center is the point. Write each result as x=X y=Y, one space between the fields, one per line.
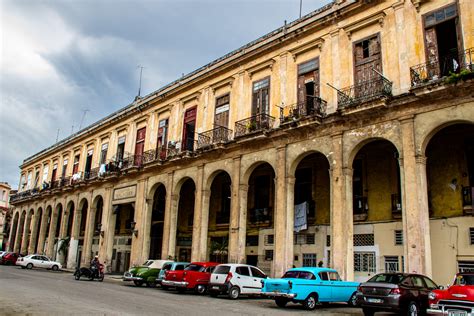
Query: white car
x=2 y=253
x=38 y=261
x=236 y=279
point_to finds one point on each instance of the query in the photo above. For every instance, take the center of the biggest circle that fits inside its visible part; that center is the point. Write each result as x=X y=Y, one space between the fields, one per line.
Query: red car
x=458 y=299
x=9 y=258
x=194 y=277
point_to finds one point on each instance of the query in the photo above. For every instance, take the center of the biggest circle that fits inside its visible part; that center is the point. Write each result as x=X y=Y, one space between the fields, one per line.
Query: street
x=57 y=293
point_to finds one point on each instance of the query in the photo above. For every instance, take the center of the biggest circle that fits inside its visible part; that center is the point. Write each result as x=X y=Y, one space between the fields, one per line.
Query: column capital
x=243 y=187
x=406 y=119
x=337 y=135
x=291 y=179
x=236 y=158
x=347 y=171
x=421 y=159
x=281 y=147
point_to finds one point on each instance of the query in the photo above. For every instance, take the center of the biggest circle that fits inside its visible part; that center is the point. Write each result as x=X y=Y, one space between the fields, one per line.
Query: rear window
x=387 y=278
x=291 y=275
x=464 y=280
x=306 y=275
x=167 y=267
x=222 y=270
x=195 y=267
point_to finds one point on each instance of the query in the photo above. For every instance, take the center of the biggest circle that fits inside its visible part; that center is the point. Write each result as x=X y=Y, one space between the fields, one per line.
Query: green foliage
x=64 y=245
x=464 y=75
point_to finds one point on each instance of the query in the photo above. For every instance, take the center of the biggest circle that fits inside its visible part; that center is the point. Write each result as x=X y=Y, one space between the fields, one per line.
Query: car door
x=324 y=286
x=339 y=292
x=257 y=277
x=45 y=262
x=244 y=279
x=34 y=260
x=420 y=288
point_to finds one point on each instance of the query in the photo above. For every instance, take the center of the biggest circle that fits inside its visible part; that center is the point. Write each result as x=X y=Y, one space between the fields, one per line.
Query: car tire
x=234 y=292
x=29 y=266
x=150 y=284
x=412 y=309
x=55 y=268
x=310 y=302
x=353 y=300
x=200 y=289
x=281 y=302
x=77 y=276
x=368 y=312
x=138 y=283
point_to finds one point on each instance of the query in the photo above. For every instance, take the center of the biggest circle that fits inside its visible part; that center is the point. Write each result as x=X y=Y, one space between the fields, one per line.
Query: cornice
x=363 y=23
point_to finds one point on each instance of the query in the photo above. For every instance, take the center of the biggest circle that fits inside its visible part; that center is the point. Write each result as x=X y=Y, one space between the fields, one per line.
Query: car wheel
x=77 y=276
x=368 y=312
x=353 y=300
x=150 y=284
x=310 y=302
x=138 y=283
x=55 y=268
x=412 y=309
x=234 y=292
x=201 y=289
x=29 y=266
x=281 y=302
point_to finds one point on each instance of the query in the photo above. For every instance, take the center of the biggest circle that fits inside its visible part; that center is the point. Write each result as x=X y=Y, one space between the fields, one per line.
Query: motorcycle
x=90 y=273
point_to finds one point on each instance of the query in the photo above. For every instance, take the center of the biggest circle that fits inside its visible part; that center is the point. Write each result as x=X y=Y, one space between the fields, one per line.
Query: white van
x=236 y=279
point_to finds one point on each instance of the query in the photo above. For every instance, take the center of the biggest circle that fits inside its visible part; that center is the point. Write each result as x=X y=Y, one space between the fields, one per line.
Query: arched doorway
x=377 y=209
x=49 y=213
x=157 y=221
x=27 y=235
x=260 y=217
x=20 y=230
x=97 y=225
x=38 y=229
x=185 y=219
x=82 y=220
x=312 y=211
x=219 y=218
x=13 y=232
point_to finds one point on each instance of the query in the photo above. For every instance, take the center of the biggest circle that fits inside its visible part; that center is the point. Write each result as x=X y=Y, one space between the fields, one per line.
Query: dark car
x=402 y=293
x=9 y=258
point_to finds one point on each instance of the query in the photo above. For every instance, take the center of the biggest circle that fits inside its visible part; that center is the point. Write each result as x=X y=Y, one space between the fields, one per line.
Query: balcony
x=260 y=216
x=254 y=124
x=370 y=90
x=217 y=135
x=461 y=64
x=312 y=106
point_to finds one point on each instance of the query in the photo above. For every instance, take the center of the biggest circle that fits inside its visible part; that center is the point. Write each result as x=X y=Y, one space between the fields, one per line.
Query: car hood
x=138 y=270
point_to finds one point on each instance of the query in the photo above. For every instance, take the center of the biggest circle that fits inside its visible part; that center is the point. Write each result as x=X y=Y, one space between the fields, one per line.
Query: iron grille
x=364 y=262
x=398 y=237
x=268 y=255
x=309 y=260
x=392 y=264
x=269 y=239
x=363 y=240
x=471 y=235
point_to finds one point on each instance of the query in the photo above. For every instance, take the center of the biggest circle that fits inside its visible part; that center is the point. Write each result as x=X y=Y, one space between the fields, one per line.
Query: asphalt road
x=57 y=293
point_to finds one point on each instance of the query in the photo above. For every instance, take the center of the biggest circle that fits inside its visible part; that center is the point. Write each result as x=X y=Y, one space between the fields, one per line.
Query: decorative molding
x=141 y=119
x=121 y=128
x=163 y=109
x=317 y=43
x=220 y=84
x=124 y=193
x=261 y=66
x=358 y=25
x=418 y=3
x=105 y=135
x=191 y=97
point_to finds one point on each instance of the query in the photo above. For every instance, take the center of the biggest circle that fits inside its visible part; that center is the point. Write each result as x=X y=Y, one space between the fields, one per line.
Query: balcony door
x=367 y=56
x=139 y=146
x=189 y=127
x=261 y=97
x=308 y=86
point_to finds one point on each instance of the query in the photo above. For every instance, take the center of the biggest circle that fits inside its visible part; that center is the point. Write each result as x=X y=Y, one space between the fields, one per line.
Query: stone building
x=4 y=213
x=352 y=125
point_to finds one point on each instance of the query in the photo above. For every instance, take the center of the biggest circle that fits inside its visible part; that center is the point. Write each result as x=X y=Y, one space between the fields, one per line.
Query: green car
x=145 y=273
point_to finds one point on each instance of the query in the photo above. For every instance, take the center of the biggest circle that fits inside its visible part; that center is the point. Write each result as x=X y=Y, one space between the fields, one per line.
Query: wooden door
x=261 y=97
x=188 y=129
x=221 y=116
x=367 y=58
x=162 y=142
x=139 y=146
x=431 y=44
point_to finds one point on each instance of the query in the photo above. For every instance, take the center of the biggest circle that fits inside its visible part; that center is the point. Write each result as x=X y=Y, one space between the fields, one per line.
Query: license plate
x=215 y=287
x=374 y=300
x=457 y=313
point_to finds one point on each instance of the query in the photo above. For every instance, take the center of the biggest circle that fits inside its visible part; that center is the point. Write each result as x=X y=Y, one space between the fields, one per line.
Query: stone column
x=165 y=249
x=196 y=247
x=26 y=234
x=290 y=218
x=12 y=235
x=341 y=213
x=242 y=232
x=137 y=241
x=88 y=236
x=234 y=227
x=60 y=256
x=416 y=226
x=281 y=262
x=52 y=233
x=206 y=196
x=106 y=239
x=19 y=234
x=34 y=232
x=42 y=234
x=174 y=199
x=146 y=229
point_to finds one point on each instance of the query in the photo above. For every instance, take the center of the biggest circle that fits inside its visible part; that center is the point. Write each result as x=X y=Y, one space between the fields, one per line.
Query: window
x=257 y=273
x=251 y=241
x=306 y=275
x=431 y=285
x=323 y=276
x=261 y=97
x=334 y=276
x=391 y=264
x=179 y=267
x=364 y=262
x=471 y=235
x=75 y=168
x=30 y=174
x=37 y=175
x=242 y=270
x=189 y=127
x=310 y=239
x=195 y=267
x=210 y=269
x=387 y=278
x=364 y=240
x=221 y=117
x=300 y=239
x=418 y=281
x=308 y=86
x=309 y=260
x=103 y=153
x=162 y=142
x=399 y=237
x=63 y=171
x=466 y=266
x=45 y=173
x=268 y=255
x=222 y=269
x=328 y=240
x=120 y=148
x=269 y=239
x=367 y=56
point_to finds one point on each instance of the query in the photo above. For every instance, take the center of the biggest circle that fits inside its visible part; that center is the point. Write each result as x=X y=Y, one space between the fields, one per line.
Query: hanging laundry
x=301 y=221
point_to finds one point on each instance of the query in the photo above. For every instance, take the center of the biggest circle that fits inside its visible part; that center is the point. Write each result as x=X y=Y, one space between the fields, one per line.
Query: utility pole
x=57 y=136
x=301 y=6
x=140 y=84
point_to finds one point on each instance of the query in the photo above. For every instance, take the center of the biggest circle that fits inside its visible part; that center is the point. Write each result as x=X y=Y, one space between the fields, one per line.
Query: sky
x=65 y=64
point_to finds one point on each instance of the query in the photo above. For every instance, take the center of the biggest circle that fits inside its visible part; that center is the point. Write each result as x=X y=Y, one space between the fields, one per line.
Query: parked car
x=402 y=293
x=170 y=266
x=9 y=258
x=236 y=279
x=310 y=286
x=38 y=261
x=2 y=253
x=193 y=277
x=457 y=299
x=145 y=273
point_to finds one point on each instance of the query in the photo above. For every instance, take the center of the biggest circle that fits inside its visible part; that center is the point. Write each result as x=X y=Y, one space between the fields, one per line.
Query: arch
x=13 y=230
x=426 y=138
x=154 y=187
x=210 y=179
x=59 y=217
x=70 y=211
x=248 y=172
x=156 y=229
x=181 y=181
x=294 y=164
x=358 y=146
x=98 y=204
x=49 y=214
x=185 y=218
x=82 y=202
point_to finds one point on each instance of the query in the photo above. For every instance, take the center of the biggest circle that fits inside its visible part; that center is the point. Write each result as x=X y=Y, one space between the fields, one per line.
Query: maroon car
x=9 y=258
x=194 y=277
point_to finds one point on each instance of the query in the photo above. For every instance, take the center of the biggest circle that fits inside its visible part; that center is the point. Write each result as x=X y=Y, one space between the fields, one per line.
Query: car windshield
x=387 y=278
x=147 y=263
x=291 y=275
x=222 y=270
x=466 y=279
x=195 y=267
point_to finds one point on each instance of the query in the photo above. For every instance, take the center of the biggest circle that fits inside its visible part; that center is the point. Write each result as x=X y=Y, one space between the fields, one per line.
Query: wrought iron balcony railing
x=217 y=135
x=438 y=68
x=91 y=174
x=364 y=92
x=256 y=123
x=312 y=106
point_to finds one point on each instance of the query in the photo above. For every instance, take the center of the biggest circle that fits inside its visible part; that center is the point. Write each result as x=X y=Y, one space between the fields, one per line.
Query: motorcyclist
x=95 y=264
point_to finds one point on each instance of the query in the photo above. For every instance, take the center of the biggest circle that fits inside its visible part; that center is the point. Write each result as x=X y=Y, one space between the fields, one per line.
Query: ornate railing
x=91 y=174
x=253 y=124
x=312 y=106
x=364 y=92
x=219 y=134
x=21 y=196
x=438 y=68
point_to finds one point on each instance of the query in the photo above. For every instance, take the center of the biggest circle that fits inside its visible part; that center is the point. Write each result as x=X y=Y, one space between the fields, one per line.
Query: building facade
x=4 y=213
x=345 y=137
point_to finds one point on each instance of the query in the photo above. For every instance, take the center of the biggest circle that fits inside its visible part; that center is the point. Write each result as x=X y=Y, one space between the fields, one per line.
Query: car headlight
x=432 y=296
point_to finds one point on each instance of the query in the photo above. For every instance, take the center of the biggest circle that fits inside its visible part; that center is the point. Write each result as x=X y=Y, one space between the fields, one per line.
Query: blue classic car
x=170 y=266
x=310 y=286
